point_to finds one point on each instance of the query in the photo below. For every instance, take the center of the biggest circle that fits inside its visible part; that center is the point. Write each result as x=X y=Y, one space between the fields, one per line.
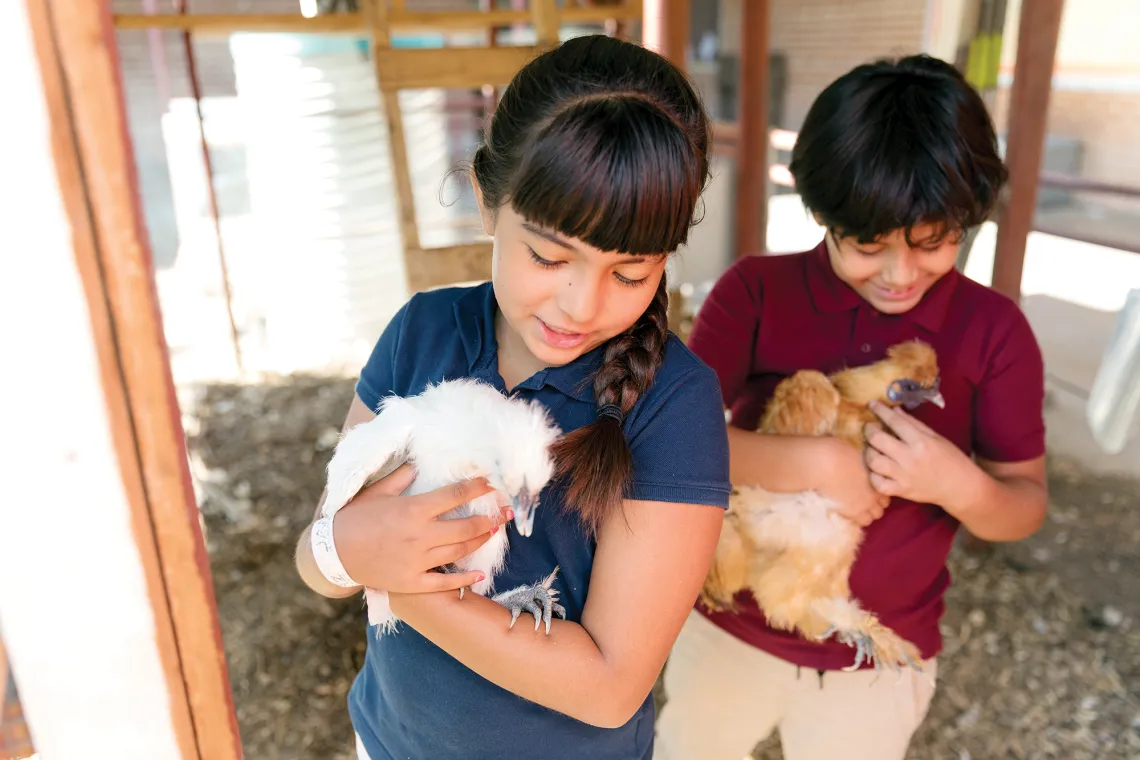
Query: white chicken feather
x=453 y=431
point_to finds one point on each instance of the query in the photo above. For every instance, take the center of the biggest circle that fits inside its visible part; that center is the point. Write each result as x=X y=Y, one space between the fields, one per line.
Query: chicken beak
x=936 y=399
x=524 y=505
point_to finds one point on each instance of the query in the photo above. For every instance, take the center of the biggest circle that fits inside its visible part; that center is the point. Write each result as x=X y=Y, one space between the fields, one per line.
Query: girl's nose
x=580 y=300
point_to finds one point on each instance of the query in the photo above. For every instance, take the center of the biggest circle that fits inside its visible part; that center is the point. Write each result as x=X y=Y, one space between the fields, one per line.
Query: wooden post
x=376 y=13
x=1038 y=31
x=1039 y=28
x=546 y=24
x=3 y=678
x=752 y=148
x=665 y=28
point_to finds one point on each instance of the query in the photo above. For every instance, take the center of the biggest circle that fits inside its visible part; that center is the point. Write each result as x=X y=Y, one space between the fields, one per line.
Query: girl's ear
x=487 y=217
x=818 y=219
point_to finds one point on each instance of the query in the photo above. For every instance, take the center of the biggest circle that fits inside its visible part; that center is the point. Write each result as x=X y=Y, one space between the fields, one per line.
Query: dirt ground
x=1042 y=656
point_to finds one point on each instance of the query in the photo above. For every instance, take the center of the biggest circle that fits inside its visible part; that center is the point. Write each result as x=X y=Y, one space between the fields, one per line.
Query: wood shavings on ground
x=258 y=454
x=1042 y=657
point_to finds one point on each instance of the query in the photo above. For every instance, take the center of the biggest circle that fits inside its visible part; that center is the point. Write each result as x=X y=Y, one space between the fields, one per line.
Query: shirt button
x=865 y=348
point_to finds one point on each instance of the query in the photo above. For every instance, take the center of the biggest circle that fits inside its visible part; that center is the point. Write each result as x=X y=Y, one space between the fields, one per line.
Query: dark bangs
x=615 y=172
x=894 y=145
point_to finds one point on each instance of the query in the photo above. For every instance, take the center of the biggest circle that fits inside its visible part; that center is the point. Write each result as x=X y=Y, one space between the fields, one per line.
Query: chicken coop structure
x=122 y=542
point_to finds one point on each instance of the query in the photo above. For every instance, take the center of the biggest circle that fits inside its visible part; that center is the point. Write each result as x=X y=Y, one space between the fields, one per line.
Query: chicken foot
x=540 y=600
x=873 y=641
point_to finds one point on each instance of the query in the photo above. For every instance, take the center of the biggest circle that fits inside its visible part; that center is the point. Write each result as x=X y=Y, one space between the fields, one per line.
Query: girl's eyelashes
x=548 y=264
x=627 y=282
x=544 y=263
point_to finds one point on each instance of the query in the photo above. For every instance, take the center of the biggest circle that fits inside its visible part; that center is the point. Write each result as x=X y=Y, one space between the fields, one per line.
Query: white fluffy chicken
x=453 y=431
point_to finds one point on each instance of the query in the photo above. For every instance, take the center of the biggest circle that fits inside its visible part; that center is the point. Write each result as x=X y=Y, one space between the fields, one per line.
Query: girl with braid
x=587 y=180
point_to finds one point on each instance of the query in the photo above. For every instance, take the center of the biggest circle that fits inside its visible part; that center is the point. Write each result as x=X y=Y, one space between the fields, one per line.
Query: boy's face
x=890 y=274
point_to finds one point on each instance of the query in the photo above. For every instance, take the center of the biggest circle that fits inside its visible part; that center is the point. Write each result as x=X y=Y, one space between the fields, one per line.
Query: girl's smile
x=563 y=339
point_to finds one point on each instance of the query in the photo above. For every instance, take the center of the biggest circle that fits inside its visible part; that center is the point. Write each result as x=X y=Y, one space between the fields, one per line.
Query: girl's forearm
x=783 y=464
x=311 y=574
x=564 y=671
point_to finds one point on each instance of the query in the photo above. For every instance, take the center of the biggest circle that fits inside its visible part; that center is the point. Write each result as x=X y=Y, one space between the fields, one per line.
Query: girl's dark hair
x=606 y=142
x=894 y=144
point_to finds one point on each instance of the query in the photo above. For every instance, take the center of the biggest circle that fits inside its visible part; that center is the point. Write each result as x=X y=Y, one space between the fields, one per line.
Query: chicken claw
x=453 y=568
x=863 y=643
x=882 y=650
x=540 y=600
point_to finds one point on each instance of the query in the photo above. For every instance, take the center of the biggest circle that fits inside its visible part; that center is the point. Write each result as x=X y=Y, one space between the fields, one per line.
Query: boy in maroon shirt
x=895 y=160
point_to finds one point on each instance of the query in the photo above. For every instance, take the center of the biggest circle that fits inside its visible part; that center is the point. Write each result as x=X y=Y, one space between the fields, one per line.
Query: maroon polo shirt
x=769 y=316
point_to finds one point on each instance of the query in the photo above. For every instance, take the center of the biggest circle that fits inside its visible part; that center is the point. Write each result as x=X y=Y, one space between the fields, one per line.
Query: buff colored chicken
x=794 y=551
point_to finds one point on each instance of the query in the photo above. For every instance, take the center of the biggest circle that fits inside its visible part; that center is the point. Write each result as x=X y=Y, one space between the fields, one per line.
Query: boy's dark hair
x=607 y=142
x=893 y=144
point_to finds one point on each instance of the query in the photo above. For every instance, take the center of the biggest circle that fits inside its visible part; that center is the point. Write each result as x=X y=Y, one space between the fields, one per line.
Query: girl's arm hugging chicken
x=794 y=551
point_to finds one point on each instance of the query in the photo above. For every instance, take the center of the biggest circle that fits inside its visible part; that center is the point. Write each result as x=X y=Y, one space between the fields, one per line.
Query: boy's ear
x=485 y=216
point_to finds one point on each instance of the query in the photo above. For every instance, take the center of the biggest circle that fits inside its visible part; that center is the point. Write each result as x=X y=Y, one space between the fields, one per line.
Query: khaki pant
x=725 y=696
x=361 y=753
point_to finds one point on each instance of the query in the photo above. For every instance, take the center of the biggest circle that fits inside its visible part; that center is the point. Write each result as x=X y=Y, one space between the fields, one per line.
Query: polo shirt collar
x=475 y=313
x=829 y=294
x=475 y=323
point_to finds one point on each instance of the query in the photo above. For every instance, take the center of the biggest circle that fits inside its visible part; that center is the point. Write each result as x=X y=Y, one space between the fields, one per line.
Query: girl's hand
x=393 y=542
x=915 y=462
x=846 y=481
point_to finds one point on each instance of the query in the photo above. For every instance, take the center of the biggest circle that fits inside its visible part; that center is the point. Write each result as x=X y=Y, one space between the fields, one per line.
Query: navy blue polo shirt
x=411 y=699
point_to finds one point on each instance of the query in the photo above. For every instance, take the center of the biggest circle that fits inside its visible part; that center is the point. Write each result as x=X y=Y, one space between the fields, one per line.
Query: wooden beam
x=625 y=12
x=433 y=267
x=666 y=27
x=76 y=45
x=227 y=23
x=449 y=67
x=1038 y=31
x=398 y=19
x=752 y=153
x=458 y=19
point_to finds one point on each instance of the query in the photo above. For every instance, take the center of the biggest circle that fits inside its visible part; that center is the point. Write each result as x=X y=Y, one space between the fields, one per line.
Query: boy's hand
x=915 y=462
x=848 y=484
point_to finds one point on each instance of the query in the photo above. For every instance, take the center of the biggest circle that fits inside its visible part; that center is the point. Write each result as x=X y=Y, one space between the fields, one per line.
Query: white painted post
x=76 y=617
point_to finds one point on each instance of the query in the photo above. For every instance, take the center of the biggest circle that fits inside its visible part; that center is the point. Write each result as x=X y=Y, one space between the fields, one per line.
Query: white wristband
x=324 y=552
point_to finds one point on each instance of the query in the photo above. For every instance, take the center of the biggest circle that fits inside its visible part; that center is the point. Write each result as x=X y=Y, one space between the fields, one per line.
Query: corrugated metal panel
x=305 y=189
